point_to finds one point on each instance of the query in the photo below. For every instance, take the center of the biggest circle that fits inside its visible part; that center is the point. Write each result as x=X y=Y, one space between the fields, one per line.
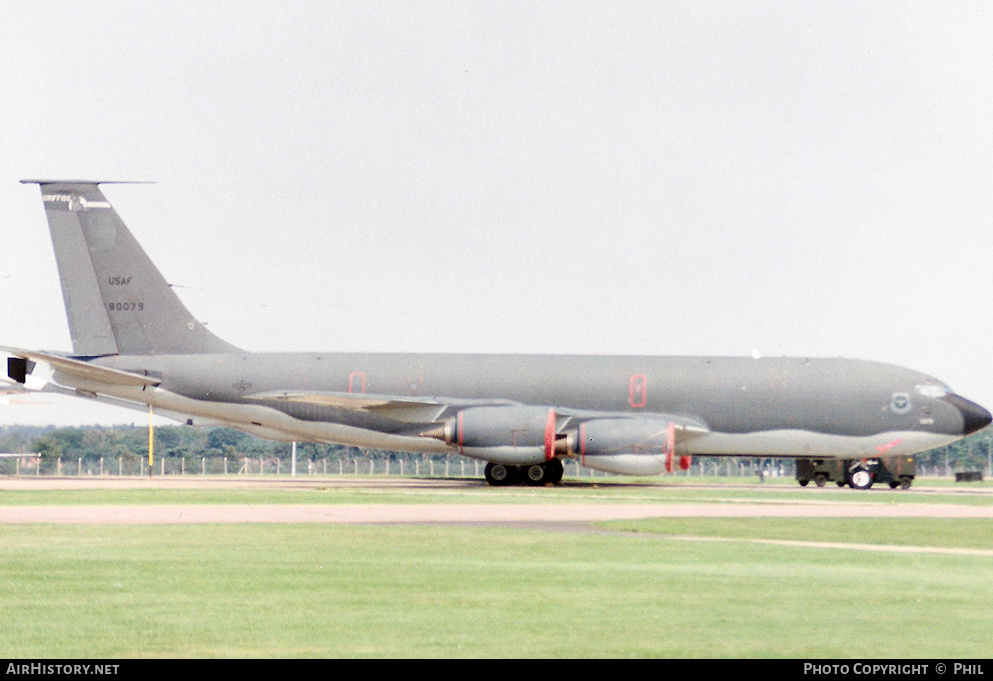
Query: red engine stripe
x=670 y=447
x=550 y=436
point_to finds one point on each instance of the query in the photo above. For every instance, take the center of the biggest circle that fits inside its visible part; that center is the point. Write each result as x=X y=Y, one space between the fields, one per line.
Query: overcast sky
x=800 y=178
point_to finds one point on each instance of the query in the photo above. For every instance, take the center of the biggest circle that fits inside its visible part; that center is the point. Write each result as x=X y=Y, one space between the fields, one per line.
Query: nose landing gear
x=862 y=478
x=896 y=471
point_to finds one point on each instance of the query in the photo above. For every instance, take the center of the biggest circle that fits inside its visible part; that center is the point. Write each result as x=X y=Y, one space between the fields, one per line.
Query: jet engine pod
x=628 y=446
x=626 y=435
x=509 y=435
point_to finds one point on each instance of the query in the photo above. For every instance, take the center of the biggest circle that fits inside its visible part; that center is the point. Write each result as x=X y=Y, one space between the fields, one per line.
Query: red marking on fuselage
x=888 y=446
x=352 y=382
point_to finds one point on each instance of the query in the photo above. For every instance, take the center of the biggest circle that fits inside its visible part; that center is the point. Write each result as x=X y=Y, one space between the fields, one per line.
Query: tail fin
x=116 y=300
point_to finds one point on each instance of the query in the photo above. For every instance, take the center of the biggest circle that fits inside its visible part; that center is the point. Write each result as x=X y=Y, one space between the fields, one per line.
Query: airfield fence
x=370 y=464
x=438 y=466
x=365 y=464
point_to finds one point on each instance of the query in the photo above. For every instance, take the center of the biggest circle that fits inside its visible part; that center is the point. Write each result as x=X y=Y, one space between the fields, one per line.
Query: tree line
x=174 y=442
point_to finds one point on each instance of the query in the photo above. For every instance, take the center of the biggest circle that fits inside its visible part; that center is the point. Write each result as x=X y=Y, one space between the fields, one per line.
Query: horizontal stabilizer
x=84 y=370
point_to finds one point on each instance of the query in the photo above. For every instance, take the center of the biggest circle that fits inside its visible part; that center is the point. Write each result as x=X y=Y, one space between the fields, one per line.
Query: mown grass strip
x=340 y=491
x=423 y=591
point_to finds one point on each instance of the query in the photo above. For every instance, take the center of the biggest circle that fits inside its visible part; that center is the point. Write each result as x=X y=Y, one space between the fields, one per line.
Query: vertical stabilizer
x=117 y=301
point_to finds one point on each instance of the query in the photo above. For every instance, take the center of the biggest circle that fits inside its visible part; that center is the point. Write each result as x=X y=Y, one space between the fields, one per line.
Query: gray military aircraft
x=135 y=344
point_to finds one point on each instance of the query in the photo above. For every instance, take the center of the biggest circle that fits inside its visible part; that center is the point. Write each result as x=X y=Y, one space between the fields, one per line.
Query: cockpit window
x=932 y=389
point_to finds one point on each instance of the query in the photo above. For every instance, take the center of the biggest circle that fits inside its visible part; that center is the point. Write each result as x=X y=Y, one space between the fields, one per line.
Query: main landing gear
x=502 y=475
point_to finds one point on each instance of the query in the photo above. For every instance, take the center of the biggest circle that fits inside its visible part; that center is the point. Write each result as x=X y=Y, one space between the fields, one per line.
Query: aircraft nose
x=974 y=417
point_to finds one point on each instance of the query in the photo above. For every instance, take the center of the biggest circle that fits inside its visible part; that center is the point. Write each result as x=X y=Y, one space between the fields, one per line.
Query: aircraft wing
x=407 y=409
x=417 y=409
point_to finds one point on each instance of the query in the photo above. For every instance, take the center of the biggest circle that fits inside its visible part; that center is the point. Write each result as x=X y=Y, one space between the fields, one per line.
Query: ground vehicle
x=896 y=471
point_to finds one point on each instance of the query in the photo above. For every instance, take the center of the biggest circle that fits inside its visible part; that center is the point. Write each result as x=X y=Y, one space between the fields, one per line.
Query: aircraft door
x=356 y=382
x=637 y=391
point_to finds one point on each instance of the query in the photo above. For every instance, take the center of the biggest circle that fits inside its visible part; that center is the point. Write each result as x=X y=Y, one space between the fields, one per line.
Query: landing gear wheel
x=861 y=479
x=535 y=474
x=803 y=483
x=499 y=475
x=894 y=484
x=548 y=473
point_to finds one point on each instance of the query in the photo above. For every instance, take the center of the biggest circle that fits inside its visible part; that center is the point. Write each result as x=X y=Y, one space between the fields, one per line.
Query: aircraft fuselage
x=773 y=406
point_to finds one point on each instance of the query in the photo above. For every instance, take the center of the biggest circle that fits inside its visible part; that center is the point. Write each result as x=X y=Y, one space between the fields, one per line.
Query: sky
x=663 y=178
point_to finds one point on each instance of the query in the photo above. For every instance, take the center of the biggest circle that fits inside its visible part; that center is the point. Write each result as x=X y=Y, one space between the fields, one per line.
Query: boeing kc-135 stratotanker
x=135 y=344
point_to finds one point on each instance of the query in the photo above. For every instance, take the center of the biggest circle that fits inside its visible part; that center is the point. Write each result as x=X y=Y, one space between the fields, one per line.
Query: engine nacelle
x=516 y=435
x=627 y=446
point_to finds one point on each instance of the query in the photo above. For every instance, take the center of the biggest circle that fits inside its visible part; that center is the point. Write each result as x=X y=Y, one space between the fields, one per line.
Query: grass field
x=285 y=491
x=659 y=588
